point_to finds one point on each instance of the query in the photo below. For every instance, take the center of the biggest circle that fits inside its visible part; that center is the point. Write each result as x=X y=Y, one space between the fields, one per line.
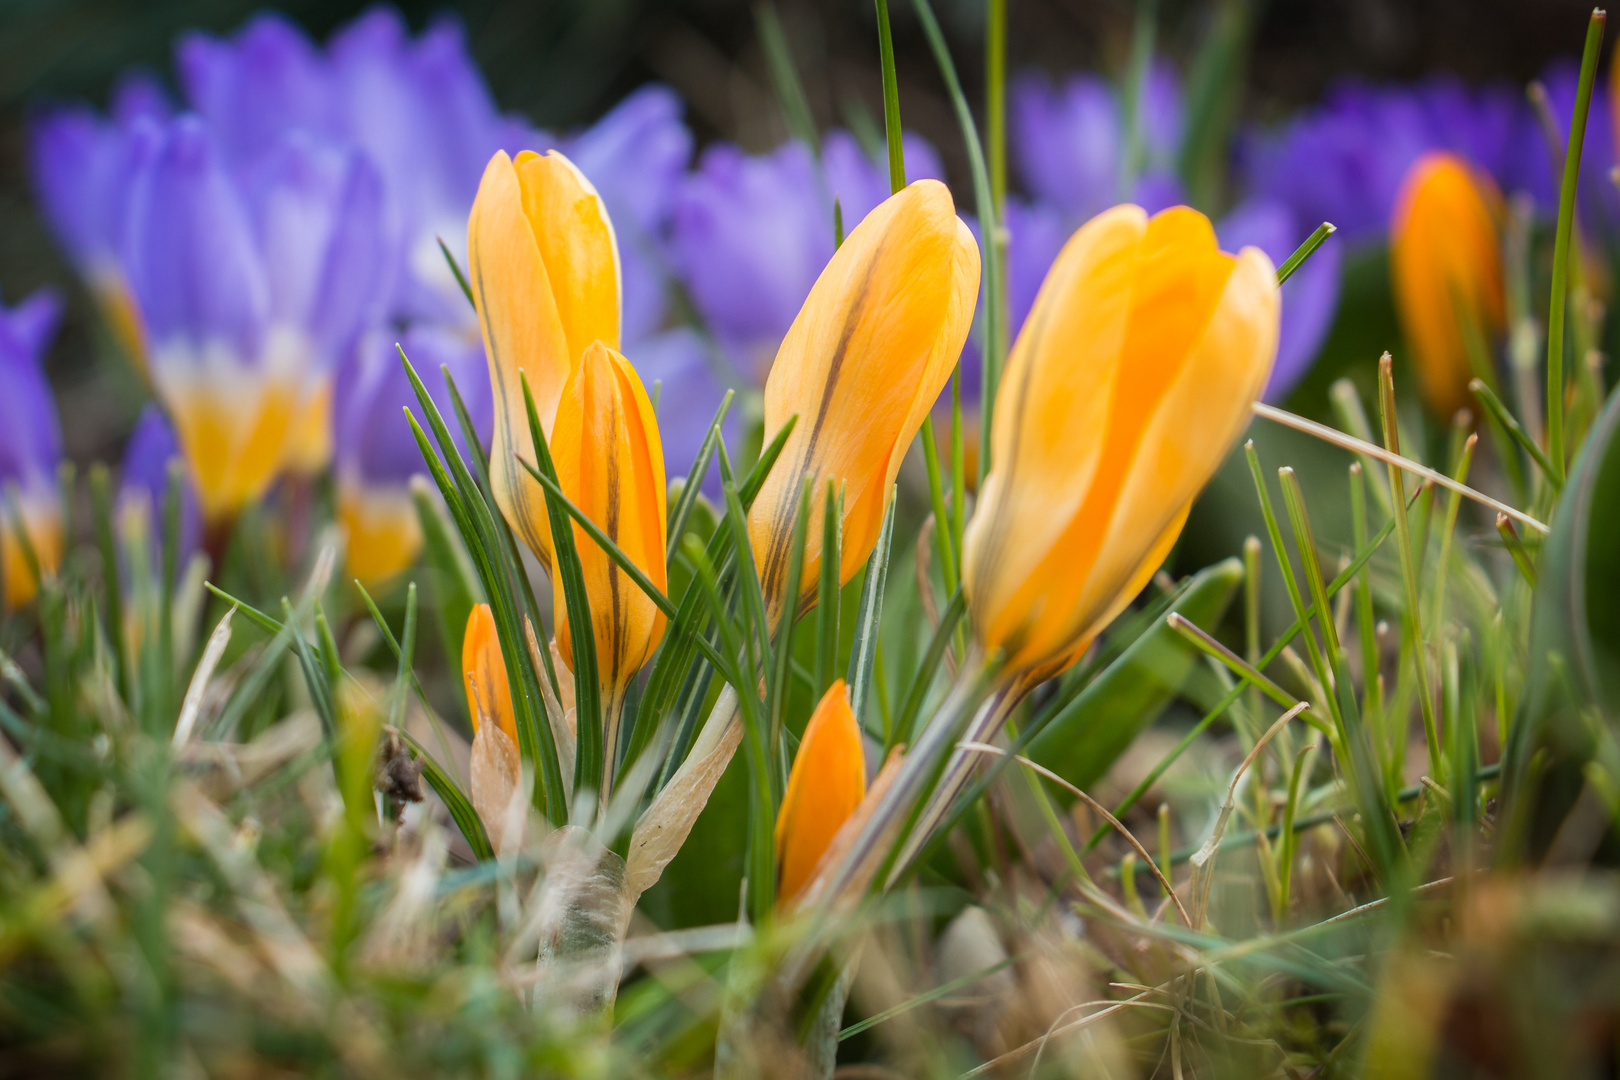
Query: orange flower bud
x=861 y=366
x=1131 y=379
x=489 y=695
x=610 y=464
x=826 y=784
x=543 y=266
x=1446 y=272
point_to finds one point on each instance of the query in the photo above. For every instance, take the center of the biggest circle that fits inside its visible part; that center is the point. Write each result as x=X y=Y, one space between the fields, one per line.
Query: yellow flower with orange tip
x=861 y=366
x=543 y=266
x=610 y=464
x=1133 y=375
x=1447 y=272
x=826 y=784
x=483 y=671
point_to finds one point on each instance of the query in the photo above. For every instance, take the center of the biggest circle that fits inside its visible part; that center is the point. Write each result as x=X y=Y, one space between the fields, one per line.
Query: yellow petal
x=523 y=336
x=309 y=433
x=577 y=244
x=1446 y=271
x=826 y=784
x=610 y=463
x=1132 y=377
x=861 y=366
x=233 y=426
x=382 y=533
x=483 y=670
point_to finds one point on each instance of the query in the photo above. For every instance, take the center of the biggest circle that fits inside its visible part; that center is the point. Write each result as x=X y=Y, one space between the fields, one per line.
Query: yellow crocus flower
x=1130 y=380
x=483 y=670
x=826 y=784
x=861 y=366
x=543 y=266
x=1446 y=271
x=610 y=464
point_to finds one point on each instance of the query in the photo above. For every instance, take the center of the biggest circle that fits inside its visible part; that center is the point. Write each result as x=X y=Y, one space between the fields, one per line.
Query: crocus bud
x=1447 y=273
x=495 y=781
x=1133 y=375
x=489 y=695
x=30 y=449
x=543 y=267
x=610 y=464
x=826 y=784
x=861 y=366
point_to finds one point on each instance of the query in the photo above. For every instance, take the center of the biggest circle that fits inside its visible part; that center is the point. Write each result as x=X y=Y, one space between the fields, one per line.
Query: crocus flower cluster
x=260 y=247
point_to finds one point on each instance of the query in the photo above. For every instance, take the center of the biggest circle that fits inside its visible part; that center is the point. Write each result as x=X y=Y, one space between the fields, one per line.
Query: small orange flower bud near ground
x=826 y=784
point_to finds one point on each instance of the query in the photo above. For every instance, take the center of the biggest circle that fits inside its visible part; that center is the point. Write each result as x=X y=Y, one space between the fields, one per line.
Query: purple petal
x=193 y=265
x=1310 y=298
x=372 y=441
x=319 y=212
x=860 y=183
x=265 y=82
x=1067 y=142
x=749 y=238
x=78 y=164
x=30 y=434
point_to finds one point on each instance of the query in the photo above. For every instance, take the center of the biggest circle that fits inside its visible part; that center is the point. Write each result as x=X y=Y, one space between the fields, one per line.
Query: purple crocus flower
x=1310 y=298
x=1068 y=142
x=420 y=110
x=1344 y=162
x=248 y=298
x=30 y=447
x=375 y=453
x=143 y=485
x=81 y=163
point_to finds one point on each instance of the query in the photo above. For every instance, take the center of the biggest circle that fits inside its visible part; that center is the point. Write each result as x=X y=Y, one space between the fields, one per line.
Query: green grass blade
x=827 y=605
x=589 y=768
x=694 y=478
x=1558 y=306
x=1305 y=250
x=790 y=93
x=989 y=222
x=906 y=720
x=869 y=619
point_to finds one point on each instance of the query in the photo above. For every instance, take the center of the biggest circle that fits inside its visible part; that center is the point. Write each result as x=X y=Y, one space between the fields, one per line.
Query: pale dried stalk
x=1203 y=859
x=1373 y=450
x=192 y=707
x=1164 y=882
x=665 y=825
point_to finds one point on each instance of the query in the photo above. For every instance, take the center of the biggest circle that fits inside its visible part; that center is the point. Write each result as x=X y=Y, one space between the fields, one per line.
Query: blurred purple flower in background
x=143 y=486
x=374 y=451
x=30 y=447
x=249 y=298
x=1344 y=161
x=1310 y=298
x=81 y=163
x=1069 y=142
